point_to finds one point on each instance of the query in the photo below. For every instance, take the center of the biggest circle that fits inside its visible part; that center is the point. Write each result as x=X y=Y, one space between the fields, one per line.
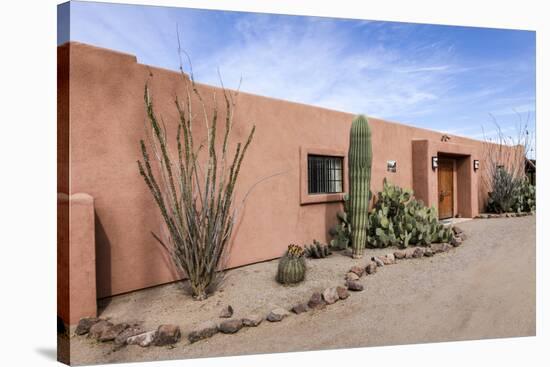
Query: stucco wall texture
x=101 y=120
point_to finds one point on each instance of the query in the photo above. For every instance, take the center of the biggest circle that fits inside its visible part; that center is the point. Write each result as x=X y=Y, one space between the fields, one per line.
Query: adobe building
x=106 y=213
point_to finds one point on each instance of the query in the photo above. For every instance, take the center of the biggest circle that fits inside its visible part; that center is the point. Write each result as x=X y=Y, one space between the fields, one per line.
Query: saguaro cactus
x=359 y=164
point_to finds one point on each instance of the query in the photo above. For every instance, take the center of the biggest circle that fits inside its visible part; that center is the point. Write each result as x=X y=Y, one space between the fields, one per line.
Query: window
x=322 y=175
x=325 y=174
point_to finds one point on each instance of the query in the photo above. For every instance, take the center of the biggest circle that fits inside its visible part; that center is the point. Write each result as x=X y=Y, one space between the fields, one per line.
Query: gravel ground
x=482 y=289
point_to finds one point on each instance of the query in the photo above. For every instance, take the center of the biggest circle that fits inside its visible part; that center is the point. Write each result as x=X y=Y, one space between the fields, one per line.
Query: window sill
x=322 y=198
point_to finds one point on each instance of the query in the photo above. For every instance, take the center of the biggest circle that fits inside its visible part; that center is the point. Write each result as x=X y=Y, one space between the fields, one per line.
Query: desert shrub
x=511 y=194
x=503 y=172
x=505 y=191
x=398 y=219
x=195 y=197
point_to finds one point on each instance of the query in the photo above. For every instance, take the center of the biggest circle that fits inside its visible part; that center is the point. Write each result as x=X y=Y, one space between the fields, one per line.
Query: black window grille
x=324 y=174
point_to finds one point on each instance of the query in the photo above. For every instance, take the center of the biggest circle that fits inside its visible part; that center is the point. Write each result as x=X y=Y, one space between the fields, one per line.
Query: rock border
x=503 y=215
x=104 y=330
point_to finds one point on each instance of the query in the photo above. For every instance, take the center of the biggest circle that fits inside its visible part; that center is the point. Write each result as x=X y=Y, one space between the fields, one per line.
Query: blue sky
x=445 y=78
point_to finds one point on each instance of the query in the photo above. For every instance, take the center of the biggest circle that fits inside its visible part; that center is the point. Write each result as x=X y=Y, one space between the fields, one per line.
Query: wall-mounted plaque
x=392 y=166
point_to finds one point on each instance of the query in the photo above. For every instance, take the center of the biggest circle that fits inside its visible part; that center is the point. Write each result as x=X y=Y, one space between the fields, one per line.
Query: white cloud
x=315 y=65
x=396 y=71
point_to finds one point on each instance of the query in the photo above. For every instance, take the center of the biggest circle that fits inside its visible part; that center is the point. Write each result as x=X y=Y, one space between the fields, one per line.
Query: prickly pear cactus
x=360 y=163
x=341 y=233
x=292 y=266
x=317 y=250
x=383 y=233
x=399 y=219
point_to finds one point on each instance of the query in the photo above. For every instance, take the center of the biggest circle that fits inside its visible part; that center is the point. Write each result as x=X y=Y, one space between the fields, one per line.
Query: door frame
x=452 y=162
x=469 y=190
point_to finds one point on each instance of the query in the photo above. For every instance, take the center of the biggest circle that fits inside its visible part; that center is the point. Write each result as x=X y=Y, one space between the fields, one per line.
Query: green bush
x=505 y=190
x=525 y=198
x=398 y=219
x=510 y=194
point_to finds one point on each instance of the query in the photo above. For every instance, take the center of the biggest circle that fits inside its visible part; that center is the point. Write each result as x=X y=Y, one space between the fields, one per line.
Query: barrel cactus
x=292 y=266
x=317 y=250
x=359 y=164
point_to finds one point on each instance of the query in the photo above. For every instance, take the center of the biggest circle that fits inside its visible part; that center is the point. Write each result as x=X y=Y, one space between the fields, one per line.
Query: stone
x=388 y=259
x=456 y=241
x=437 y=248
x=252 y=320
x=409 y=253
x=167 y=334
x=99 y=328
x=299 y=308
x=227 y=312
x=330 y=295
x=371 y=268
x=357 y=270
x=418 y=252
x=484 y=216
x=428 y=252
x=112 y=332
x=230 y=326
x=143 y=340
x=342 y=292
x=203 y=331
x=127 y=333
x=316 y=301
x=85 y=324
x=457 y=230
x=352 y=276
x=354 y=285
x=277 y=314
x=378 y=261
x=400 y=254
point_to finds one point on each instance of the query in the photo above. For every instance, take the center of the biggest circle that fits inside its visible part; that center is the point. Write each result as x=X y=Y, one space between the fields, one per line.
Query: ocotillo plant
x=359 y=162
x=195 y=198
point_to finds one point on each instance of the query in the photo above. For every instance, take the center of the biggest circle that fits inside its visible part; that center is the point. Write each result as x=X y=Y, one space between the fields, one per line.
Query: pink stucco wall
x=101 y=100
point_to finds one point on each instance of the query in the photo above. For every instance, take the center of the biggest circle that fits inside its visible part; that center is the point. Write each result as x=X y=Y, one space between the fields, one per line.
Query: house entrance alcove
x=444 y=177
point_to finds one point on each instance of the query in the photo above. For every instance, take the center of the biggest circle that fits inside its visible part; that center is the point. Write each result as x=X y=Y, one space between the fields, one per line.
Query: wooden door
x=445 y=188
